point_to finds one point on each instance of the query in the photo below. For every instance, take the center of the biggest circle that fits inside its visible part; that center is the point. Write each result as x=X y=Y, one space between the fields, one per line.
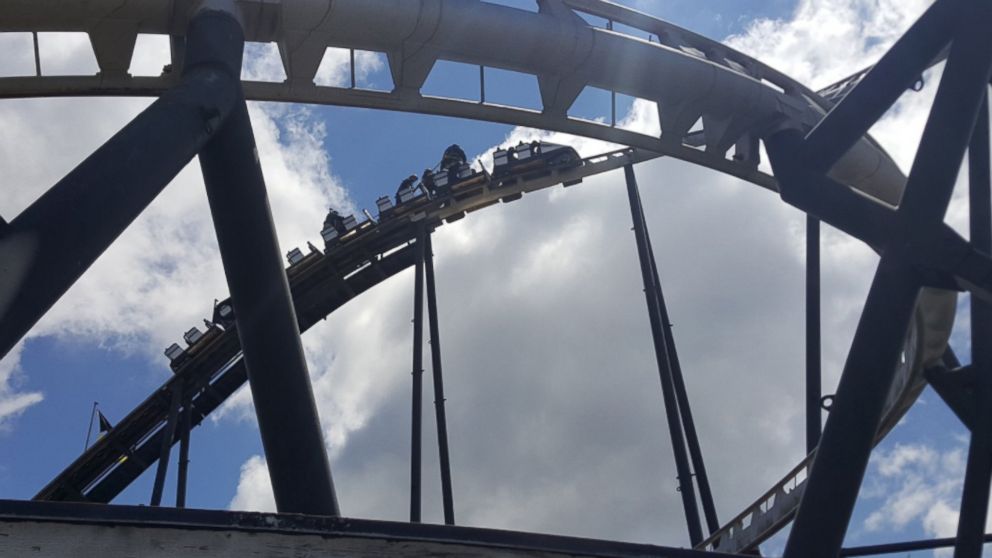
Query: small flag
x=105 y=425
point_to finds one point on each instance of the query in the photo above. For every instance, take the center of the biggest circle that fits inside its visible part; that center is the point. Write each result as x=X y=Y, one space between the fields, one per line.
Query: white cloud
x=917 y=486
x=335 y=68
x=827 y=40
x=902 y=457
x=254 y=487
x=12 y=402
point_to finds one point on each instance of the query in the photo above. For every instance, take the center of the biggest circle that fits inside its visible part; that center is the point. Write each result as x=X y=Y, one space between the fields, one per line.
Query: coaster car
x=196 y=342
x=458 y=180
x=409 y=198
x=338 y=230
x=530 y=159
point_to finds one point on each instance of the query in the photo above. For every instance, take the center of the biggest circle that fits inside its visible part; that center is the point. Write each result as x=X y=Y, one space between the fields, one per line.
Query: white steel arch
x=691 y=78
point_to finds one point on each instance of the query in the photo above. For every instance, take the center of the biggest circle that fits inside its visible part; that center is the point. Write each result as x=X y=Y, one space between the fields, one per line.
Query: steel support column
x=442 y=422
x=686 y=489
x=46 y=248
x=888 y=79
x=182 y=471
x=267 y=326
x=168 y=434
x=418 y=375
x=813 y=377
x=842 y=457
x=681 y=395
x=978 y=472
x=849 y=432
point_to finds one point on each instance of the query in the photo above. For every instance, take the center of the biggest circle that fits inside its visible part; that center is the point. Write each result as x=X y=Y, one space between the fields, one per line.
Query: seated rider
x=407 y=184
x=427 y=182
x=453 y=157
x=335 y=220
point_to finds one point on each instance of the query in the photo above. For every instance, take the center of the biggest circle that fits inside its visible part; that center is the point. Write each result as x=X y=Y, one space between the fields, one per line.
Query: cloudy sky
x=554 y=407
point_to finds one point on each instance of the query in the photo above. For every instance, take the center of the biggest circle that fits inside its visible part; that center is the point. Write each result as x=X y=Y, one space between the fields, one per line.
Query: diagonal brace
x=46 y=248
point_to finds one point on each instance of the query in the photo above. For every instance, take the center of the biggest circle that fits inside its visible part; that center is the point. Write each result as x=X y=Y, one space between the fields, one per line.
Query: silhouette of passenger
x=453 y=157
x=335 y=220
x=406 y=185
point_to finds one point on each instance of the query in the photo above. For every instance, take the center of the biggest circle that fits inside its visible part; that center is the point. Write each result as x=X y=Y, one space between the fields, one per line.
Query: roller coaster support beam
x=856 y=412
x=267 y=326
x=978 y=472
x=182 y=471
x=418 y=374
x=894 y=73
x=442 y=422
x=664 y=361
x=842 y=457
x=682 y=396
x=168 y=434
x=956 y=387
x=48 y=246
x=814 y=425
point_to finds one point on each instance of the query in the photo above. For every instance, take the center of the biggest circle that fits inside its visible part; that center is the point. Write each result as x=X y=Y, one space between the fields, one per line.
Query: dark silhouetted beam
x=418 y=377
x=978 y=471
x=681 y=395
x=447 y=498
x=949 y=128
x=956 y=387
x=891 y=76
x=849 y=432
x=675 y=431
x=46 y=248
x=166 y=445
x=847 y=438
x=813 y=376
x=267 y=326
x=182 y=471
x=842 y=457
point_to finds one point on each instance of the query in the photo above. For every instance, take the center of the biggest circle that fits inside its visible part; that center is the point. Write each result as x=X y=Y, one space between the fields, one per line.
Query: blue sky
x=342 y=157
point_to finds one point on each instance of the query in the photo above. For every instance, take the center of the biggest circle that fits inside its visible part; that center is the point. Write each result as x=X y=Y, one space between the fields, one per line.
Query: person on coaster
x=335 y=220
x=407 y=184
x=427 y=182
x=453 y=157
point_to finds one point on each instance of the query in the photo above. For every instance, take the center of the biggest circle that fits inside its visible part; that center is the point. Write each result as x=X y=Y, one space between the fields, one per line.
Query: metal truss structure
x=717 y=108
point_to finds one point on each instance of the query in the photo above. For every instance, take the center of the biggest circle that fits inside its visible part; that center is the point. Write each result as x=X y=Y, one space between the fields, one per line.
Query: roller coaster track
x=737 y=100
x=320 y=284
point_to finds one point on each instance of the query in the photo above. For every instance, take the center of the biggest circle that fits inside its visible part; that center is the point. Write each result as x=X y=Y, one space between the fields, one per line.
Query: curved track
x=737 y=100
x=320 y=284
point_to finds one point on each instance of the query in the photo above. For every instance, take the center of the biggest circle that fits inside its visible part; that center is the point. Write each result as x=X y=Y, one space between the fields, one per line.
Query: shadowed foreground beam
x=842 y=457
x=267 y=324
x=978 y=473
x=447 y=499
x=663 y=357
x=46 y=248
x=813 y=374
x=418 y=377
